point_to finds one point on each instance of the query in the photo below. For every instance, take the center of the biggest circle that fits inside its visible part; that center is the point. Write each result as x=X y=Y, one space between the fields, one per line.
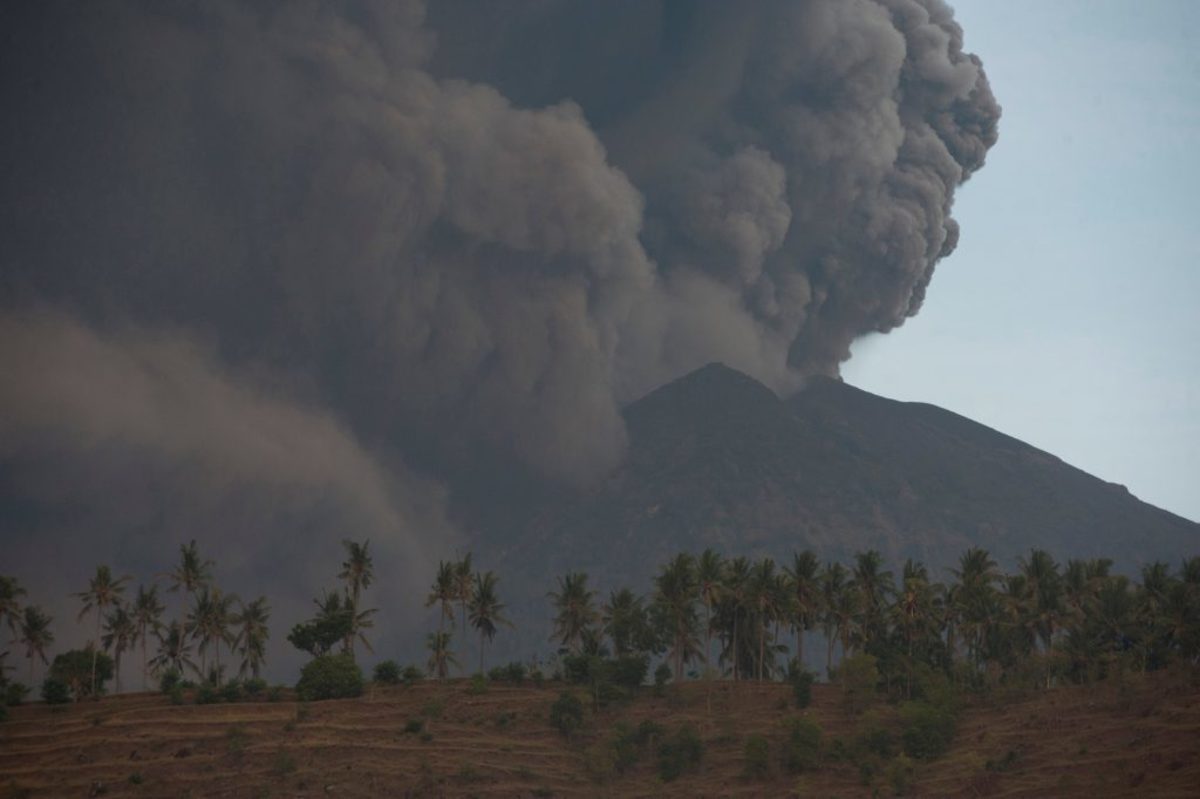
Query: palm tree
x=576 y=611
x=710 y=576
x=762 y=599
x=464 y=583
x=914 y=612
x=36 y=635
x=120 y=634
x=873 y=586
x=252 y=633
x=147 y=616
x=192 y=573
x=675 y=595
x=737 y=578
x=357 y=571
x=484 y=610
x=10 y=604
x=832 y=586
x=625 y=622
x=102 y=591
x=208 y=622
x=440 y=656
x=174 y=651
x=805 y=596
x=443 y=593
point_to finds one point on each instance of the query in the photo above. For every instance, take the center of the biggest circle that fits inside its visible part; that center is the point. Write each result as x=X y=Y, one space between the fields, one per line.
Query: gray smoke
x=269 y=269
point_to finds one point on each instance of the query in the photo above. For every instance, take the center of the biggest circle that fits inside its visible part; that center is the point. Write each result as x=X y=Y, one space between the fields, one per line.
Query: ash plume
x=359 y=248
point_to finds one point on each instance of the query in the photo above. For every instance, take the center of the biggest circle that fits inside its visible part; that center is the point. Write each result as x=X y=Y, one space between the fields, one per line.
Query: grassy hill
x=1138 y=737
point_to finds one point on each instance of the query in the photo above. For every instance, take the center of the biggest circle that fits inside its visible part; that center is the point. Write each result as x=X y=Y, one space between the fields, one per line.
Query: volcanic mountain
x=716 y=459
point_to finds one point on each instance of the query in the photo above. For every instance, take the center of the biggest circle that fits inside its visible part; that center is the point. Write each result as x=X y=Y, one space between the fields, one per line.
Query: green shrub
x=207 y=694
x=254 y=687
x=235 y=740
x=478 y=685
x=231 y=691
x=859 y=676
x=928 y=729
x=136 y=778
x=387 y=673
x=411 y=675
x=629 y=671
x=566 y=714
x=662 y=676
x=899 y=774
x=275 y=693
x=330 y=677
x=74 y=668
x=756 y=756
x=626 y=746
x=600 y=762
x=801 y=681
x=536 y=677
x=681 y=752
x=176 y=695
x=15 y=693
x=413 y=726
x=169 y=679
x=874 y=737
x=802 y=749
x=284 y=763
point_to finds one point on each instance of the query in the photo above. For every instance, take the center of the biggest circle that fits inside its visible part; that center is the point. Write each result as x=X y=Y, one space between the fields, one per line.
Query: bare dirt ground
x=1142 y=739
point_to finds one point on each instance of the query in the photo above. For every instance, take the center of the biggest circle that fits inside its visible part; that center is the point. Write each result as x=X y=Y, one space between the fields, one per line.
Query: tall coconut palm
x=250 y=621
x=733 y=602
x=192 y=572
x=914 y=612
x=675 y=595
x=485 y=610
x=832 y=585
x=440 y=656
x=443 y=593
x=147 y=614
x=10 y=604
x=103 y=591
x=576 y=615
x=763 y=600
x=710 y=576
x=805 y=596
x=464 y=582
x=36 y=635
x=174 y=651
x=208 y=622
x=874 y=586
x=625 y=622
x=357 y=570
x=120 y=632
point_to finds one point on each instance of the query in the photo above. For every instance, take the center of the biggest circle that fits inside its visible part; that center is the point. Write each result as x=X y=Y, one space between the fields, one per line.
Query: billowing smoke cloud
x=440 y=242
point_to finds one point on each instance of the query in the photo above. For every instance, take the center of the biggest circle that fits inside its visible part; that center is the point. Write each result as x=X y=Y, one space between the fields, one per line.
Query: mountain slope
x=716 y=459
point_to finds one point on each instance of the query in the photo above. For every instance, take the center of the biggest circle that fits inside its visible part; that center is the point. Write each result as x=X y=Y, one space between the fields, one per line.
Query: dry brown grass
x=1141 y=740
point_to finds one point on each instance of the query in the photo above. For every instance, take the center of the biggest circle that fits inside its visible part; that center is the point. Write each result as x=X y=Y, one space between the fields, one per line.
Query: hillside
x=718 y=460
x=1074 y=741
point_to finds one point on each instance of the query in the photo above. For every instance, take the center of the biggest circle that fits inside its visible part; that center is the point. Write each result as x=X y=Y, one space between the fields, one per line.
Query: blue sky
x=1068 y=315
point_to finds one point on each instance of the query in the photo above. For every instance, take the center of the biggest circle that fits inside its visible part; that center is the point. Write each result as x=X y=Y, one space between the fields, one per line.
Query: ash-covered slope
x=717 y=459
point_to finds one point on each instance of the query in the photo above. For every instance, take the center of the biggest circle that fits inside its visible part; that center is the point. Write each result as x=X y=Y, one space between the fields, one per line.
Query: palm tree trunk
x=800 y=645
x=828 y=652
x=118 y=669
x=762 y=640
x=145 y=664
x=96 y=652
x=707 y=639
x=481 y=651
x=733 y=645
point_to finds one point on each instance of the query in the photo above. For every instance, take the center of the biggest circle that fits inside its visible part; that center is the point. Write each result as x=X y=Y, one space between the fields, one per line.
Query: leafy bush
x=254 y=687
x=928 y=729
x=411 y=675
x=413 y=726
x=662 y=676
x=176 y=695
x=899 y=774
x=207 y=694
x=874 y=737
x=681 y=752
x=169 y=679
x=859 y=676
x=231 y=691
x=757 y=758
x=330 y=677
x=600 y=762
x=275 y=693
x=801 y=681
x=803 y=746
x=74 y=669
x=136 y=778
x=629 y=671
x=15 y=693
x=566 y=714
x=387 y=673
x=478 y=685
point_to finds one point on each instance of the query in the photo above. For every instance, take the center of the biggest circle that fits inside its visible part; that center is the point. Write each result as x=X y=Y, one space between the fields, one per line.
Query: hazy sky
x=1067 y=317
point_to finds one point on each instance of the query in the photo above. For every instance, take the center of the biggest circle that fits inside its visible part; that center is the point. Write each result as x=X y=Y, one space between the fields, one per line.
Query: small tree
x=566 y=714
x=330 y=677
x=74 y=668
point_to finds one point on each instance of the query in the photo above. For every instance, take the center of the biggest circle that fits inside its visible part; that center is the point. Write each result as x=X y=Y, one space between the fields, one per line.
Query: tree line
x=707 y=615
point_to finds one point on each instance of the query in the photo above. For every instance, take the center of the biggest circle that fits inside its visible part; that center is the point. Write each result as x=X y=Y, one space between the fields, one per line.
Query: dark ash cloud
x=270 y=267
